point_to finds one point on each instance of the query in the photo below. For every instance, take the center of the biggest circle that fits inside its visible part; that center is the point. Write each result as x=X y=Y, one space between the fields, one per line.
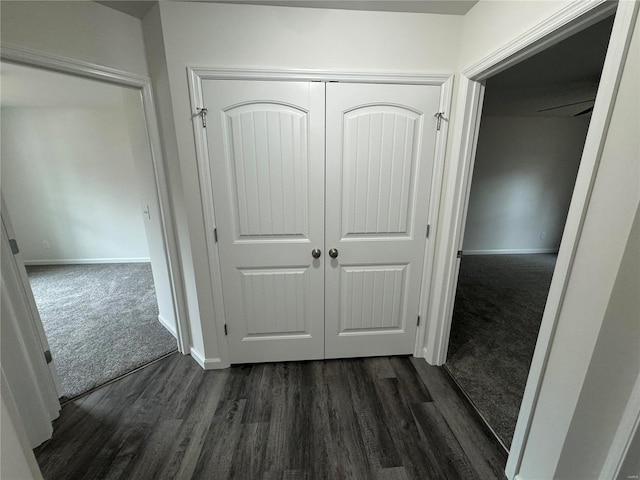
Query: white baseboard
x=510 y=251
x=171 y=328
x=207 y=363
x=429 y=358
x=88 y=261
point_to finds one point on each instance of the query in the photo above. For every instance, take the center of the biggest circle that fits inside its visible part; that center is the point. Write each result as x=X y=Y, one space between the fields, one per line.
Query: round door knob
x=333 y=253
x=315 y=253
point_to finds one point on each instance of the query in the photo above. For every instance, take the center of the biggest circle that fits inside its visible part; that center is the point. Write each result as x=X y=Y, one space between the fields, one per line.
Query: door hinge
x=418 y=320
x=428 y=230
x=215 y=235
x=226 y=332
x=459 y=253
x=202 y=112
x=439 y=116
x=48 y=357
x=14 y=246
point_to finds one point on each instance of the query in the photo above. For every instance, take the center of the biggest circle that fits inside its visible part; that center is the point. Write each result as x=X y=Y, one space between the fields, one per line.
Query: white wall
x=631 y=464
x=147 y=194
x=616 y=351
x=522 y=183
x=491 y=24
x=82 y=30
x=153 y=37
x=279 y=38
x=577 y=408
x=68 y=179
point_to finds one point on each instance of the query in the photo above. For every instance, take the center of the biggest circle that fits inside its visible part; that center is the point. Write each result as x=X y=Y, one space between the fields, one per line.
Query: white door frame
x=24 y=345
x=570 y=20
x=197 y=74
x=57 y=63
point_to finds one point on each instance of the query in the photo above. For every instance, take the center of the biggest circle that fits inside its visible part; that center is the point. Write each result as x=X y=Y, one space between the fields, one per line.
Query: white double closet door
x=339 y=167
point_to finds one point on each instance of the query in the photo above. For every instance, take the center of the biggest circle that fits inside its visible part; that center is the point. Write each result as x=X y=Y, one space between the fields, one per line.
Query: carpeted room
x=532 y=133
x=75 y=199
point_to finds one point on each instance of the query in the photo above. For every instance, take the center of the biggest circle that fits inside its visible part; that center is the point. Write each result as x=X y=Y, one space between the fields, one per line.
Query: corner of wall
x=156 y=57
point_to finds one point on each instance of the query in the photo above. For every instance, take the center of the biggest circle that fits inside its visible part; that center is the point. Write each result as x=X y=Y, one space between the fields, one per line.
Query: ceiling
x=568 y=72
x=33 y=87
x=445 y=7
x=134 y=8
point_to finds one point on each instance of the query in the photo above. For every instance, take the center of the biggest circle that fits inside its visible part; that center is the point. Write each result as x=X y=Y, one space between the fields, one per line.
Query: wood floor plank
x=258 y=398
x=155 y=451
x=215 y=460
x=379 y=367
x=488 y=460
x=352 y=460
x=418 y=462
x=190 y=439
x=411 y=387
x=381 y=450
x=249 y=457
x=384 y=418
x=394 y=473
x=441 y=443
x=299 y=404
x=124 y=460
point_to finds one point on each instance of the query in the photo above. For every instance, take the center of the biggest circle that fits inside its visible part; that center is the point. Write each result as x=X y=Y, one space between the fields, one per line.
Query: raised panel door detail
x=275 y=302
x=379 y=158
x=266 y=147
x=372 y=298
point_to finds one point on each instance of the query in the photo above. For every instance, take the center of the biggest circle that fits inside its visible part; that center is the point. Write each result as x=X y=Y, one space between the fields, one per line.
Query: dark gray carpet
x=101 y=321
x=496 y=318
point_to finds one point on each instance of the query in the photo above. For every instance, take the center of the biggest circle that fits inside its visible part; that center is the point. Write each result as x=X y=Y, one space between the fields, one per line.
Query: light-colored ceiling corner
x=135 y=8
x=139 y=9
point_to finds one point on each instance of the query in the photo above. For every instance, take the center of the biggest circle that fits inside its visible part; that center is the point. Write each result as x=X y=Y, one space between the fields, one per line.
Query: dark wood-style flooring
x=373 y=418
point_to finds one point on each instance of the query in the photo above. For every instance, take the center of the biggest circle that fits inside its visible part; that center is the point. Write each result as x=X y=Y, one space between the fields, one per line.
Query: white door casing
x=32 y=380
x=266 y=153
x=380 y=153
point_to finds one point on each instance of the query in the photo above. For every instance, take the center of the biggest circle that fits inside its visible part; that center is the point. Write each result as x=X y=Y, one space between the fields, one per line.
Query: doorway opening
x=534 y=123
x=78 y=183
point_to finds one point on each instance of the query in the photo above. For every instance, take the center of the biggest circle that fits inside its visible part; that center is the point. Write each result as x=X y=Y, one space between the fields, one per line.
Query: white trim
x=445 y=276
x=27 y=56
x=624 y=435
x=27 y=335
x=510 y=251
x=171 y=328
x=9 y=402
x=605 y=100
x=439 y=156
x=27 y=295
x=204 y=177
x=197 y=74
x=87 y=261
x=207 y=73
x=571 y=19
x=207 y=363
